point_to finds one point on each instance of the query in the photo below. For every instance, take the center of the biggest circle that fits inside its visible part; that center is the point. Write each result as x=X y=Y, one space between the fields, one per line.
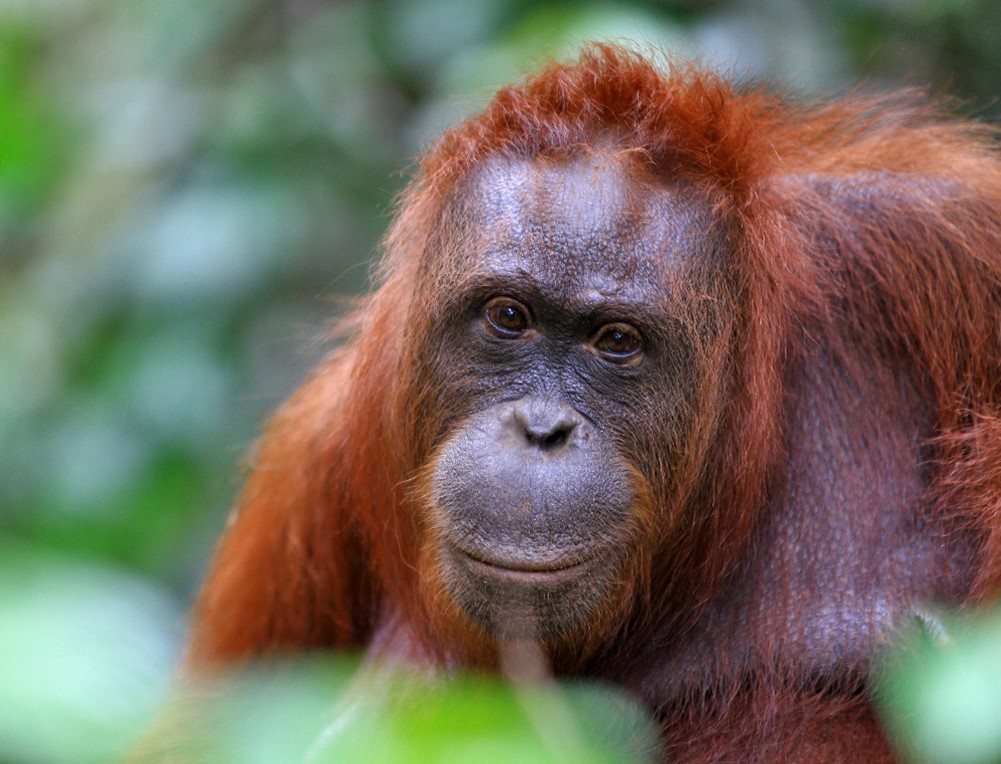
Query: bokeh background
x=189 y=189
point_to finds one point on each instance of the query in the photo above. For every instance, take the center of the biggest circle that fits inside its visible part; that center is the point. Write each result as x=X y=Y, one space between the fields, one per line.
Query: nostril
x=551 y=440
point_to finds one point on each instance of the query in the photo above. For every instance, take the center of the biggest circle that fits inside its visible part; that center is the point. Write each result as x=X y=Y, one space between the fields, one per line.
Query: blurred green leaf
x=85 y=653
x=942 y=699
x=326 y=710
x=33 y=142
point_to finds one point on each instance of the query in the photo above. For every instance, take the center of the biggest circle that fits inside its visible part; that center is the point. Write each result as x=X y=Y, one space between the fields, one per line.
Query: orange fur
x=327 y=542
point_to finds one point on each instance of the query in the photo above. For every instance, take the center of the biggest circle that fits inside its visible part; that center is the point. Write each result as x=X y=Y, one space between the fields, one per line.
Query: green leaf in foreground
x=942 y=698
x=327 y=710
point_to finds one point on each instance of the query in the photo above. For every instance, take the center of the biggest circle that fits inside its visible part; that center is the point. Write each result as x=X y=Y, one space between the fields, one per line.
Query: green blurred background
x=187 y=190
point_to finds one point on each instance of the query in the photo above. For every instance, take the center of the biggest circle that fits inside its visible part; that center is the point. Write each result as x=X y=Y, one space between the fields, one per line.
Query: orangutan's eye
x=618 y=343
x=506 y=317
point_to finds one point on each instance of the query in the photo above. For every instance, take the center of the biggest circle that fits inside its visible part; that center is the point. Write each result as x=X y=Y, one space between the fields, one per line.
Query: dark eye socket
x=618 y=343
x=506 y=317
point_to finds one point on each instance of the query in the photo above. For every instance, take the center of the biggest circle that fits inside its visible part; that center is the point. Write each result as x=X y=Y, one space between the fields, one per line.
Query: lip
x=556 y=572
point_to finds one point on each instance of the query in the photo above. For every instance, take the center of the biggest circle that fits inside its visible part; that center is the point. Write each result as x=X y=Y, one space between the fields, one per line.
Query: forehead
x=591 y=218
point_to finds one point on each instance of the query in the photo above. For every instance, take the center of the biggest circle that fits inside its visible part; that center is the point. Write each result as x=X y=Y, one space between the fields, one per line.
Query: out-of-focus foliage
x=323 y=710
x=85 y=653
x=188 y=192
x=941 y=695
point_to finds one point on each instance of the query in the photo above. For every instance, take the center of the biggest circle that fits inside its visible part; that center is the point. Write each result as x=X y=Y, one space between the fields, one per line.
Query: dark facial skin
x=566 y=369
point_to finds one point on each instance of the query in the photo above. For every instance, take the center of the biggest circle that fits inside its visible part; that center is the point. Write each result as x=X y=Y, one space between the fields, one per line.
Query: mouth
x=524 y=572
x=526 y=596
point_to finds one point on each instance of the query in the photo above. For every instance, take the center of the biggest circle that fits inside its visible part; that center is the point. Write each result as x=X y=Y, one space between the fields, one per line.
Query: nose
x=544 y=423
